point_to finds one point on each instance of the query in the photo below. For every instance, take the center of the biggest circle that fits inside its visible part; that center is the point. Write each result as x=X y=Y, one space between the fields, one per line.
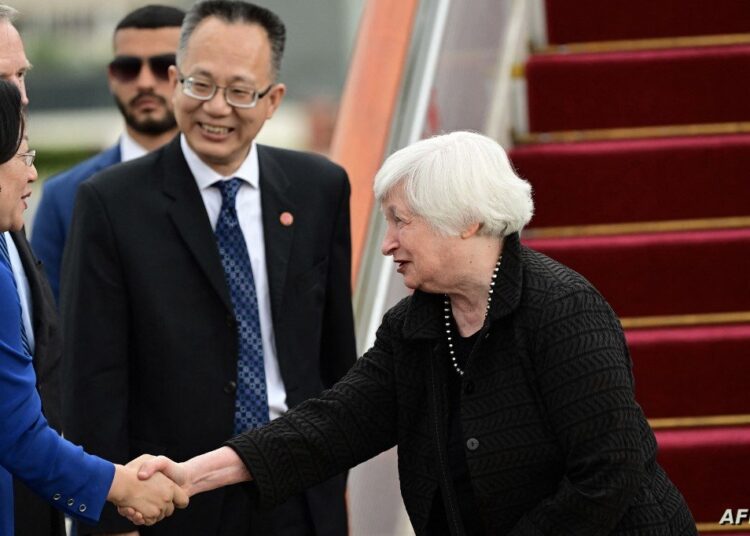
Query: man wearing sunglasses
x=207 y=285
x=145 y=42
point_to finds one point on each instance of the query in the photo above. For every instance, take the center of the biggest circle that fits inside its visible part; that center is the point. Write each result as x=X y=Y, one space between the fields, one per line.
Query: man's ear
x=174 y=76
x=275 y=96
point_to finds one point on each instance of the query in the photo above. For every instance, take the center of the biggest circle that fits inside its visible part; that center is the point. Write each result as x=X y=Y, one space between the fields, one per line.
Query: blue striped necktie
x=251 y=405
x=5 y=258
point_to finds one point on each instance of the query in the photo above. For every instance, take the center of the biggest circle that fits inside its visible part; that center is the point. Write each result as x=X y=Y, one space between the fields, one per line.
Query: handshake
x=149 y=488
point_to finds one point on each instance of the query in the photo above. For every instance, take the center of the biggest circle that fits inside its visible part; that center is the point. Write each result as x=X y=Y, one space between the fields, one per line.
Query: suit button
x=56 y=497
x=469 y=388
x=82 y=508
x=472 y=444
x=71 y=502
x=230 y=388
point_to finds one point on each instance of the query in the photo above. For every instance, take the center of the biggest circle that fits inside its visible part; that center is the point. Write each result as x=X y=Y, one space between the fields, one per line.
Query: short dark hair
x=11 y=120
x=233 y=11
x=152 y=16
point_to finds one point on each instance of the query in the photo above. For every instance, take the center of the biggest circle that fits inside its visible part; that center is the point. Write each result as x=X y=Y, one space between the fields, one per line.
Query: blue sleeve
x=60 y=472
x=48 y=236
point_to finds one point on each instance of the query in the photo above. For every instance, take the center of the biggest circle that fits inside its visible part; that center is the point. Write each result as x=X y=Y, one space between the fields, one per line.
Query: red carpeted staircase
x=639 y=155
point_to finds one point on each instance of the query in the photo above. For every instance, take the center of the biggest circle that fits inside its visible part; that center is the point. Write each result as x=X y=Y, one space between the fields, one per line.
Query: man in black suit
x=166 y=317
x=33 y=516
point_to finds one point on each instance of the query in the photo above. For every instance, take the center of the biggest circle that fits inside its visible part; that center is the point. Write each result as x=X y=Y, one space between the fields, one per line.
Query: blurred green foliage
x=51 y=161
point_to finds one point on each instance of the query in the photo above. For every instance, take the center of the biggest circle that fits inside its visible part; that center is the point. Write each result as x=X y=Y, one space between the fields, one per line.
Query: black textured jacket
x=555 y=442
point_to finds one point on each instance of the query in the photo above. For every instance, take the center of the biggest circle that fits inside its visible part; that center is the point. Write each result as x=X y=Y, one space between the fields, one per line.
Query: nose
x=24 y=97
x=389 y=243
x=146 y=78
x=218 y=105
x=33 y=175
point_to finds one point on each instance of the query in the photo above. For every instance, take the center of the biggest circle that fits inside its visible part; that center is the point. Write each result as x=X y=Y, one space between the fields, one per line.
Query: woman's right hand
x=149 y=500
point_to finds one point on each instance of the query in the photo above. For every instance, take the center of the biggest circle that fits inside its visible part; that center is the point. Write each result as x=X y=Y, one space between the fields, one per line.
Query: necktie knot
x=229 y=189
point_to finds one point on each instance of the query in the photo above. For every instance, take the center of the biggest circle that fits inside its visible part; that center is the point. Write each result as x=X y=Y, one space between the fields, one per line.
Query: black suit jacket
x=34 y=516
x=151 y=343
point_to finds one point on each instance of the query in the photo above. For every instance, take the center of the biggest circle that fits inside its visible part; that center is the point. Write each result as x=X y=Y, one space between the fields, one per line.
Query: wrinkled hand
x=147 y=501
x=149 y=468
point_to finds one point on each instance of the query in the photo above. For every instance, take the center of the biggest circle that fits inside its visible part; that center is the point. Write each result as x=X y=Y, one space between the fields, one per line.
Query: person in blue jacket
x=59 y=471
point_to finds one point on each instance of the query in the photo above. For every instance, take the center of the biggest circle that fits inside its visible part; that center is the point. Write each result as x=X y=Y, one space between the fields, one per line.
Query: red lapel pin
x=286 y=219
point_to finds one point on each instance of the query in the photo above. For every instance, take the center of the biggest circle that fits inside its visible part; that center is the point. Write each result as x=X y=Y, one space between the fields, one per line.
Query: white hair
x=7 y=13
x=458 y=179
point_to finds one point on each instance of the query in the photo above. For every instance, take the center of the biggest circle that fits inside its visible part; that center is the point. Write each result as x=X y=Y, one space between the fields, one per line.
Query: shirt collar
x=129 y=148
x=205 y=177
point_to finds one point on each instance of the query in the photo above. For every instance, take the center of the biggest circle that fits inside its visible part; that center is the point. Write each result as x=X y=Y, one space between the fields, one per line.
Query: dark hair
x=11 y=120
x=232 y=11
x=152 y=16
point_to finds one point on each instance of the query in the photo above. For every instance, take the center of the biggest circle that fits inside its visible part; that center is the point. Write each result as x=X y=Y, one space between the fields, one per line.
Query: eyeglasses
x=127 y=68
x=28 y=157
x=238 y=96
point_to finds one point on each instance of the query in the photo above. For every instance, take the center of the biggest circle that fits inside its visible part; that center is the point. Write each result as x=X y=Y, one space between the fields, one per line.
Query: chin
x=411 y=284
x=16 y=223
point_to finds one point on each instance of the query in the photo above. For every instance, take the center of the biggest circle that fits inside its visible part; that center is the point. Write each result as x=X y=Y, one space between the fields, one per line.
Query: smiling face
x=424 y=256
x=225 y=54
x=145 y=101
x=13 y=62
x=15 y=187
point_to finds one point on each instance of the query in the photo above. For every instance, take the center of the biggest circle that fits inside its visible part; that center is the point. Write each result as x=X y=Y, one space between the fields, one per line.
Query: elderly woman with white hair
x=504 y=379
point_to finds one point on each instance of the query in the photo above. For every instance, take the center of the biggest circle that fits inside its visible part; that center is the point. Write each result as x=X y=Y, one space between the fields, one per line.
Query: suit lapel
x=275 y=200
x=189 y=216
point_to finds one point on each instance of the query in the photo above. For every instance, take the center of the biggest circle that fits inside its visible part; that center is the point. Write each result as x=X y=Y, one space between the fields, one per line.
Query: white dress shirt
x=129 y=148
x=251 y=222
x=22 y=286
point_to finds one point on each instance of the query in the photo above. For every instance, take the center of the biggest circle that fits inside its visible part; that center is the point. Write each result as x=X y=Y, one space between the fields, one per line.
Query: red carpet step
x=661 y=273
x=643 y=88
x=637 y=180
x=575 y=21
x=709 y=362
x=708 y=467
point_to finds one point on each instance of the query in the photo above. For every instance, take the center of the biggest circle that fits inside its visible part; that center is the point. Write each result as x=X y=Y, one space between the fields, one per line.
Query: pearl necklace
x=448 y=312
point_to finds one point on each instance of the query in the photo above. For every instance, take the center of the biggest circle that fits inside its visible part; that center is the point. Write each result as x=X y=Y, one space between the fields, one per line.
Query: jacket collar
x=424 y=314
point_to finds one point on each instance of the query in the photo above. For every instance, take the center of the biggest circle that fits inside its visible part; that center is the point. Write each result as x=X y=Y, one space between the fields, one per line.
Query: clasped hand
x=144 y=501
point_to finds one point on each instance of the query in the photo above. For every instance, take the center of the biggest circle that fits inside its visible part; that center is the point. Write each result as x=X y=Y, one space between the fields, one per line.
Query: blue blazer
x=60 y=472
x=55 y=211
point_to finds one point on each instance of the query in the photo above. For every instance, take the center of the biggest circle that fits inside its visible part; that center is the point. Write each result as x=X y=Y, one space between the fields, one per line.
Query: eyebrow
x=391 y=210
x=203 y=72
x=25 y=69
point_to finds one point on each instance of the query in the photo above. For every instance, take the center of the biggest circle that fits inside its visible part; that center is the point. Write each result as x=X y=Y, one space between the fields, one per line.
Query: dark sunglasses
x=127 y=68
